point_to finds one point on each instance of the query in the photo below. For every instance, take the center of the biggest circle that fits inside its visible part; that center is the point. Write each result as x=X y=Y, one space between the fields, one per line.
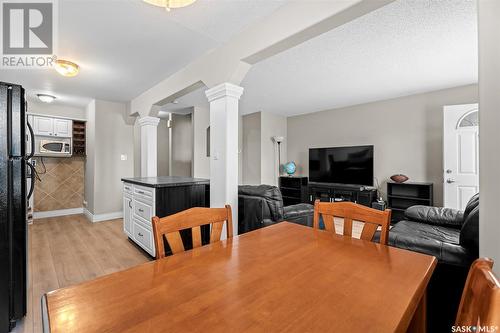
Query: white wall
x=271 y=125
x=162 y=148
x=407 y=133
x=489 y=125
x=182 y=145
x=201 y=162
x=108 y=137
x=56 y=110
x=259 y=152
x=250 y=150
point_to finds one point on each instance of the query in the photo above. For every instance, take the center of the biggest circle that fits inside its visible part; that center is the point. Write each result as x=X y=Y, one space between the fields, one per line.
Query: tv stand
x=330 y=192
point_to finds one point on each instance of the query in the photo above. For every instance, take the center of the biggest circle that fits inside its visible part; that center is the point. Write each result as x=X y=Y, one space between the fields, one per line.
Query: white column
x=149 y=142
x=489 y=135
x=224 y=147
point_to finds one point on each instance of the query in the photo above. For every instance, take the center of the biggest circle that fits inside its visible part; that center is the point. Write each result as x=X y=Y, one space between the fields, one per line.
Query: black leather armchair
x=262 y=205
x=452 y=236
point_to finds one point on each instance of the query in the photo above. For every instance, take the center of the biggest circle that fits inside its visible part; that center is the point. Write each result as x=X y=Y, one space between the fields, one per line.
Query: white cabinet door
x=43 y=126
x=63 y=127
x=127 y=215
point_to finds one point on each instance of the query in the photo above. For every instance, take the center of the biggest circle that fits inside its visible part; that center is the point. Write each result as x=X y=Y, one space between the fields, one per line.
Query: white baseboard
x=102 y=217
x=55 y=213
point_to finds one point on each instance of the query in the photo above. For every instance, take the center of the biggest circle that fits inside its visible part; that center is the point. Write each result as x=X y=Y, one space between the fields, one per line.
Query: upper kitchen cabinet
x=63 y=127
x=43 y=125
x=48 y=126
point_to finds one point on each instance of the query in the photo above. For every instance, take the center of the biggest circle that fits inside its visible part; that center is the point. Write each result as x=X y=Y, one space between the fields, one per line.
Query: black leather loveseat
x=262 y=205
x=451 y=236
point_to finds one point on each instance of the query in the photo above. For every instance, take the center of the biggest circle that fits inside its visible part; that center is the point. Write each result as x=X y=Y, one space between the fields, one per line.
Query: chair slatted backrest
x=193 y=218
x=349 y=211
x=480 y=304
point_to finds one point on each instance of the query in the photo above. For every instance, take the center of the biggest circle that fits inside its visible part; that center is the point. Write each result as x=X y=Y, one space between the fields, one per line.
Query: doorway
x=461 y=154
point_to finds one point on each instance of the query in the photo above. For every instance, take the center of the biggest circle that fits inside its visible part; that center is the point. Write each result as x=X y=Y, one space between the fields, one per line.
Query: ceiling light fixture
x=66 y=68
x=46 y=98
x=169 y=4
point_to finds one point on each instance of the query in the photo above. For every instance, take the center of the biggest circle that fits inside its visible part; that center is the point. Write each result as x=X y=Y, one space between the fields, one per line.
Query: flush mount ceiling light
x=169 y=4
x=66 y=68
x=46 y=98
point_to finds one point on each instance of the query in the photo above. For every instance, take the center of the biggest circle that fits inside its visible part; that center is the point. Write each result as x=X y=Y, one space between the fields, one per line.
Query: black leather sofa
x=262 y=205
x=451 y=236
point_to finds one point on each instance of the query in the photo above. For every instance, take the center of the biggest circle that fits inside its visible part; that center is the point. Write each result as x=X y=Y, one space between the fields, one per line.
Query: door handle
x=449 y=180
x=32 y=183
x=32 y=141
x=130 y=203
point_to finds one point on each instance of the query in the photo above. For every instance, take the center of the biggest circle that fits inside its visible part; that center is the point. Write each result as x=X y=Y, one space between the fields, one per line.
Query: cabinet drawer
x=146 y=192
x=128 y=188
x=143 y=210
x=144 y=238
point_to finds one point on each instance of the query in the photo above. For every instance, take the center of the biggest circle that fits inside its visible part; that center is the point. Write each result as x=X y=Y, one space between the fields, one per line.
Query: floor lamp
x=278 y=140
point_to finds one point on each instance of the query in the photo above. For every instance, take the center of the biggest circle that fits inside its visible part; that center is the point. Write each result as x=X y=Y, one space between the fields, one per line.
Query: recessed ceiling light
x=175 y=101
x=46 y=98
x=169 y=4
x=66 y=68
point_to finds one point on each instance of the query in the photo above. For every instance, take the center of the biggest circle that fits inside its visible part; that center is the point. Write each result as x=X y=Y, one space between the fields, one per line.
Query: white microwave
x=55 y=147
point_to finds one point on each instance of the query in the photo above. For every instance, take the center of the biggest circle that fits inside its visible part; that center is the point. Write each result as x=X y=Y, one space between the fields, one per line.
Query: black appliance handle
x=32 y=185
x=32 y=134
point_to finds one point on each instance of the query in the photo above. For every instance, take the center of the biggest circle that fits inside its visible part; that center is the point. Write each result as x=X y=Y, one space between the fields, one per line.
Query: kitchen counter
x=144 y=198
x=166 y=181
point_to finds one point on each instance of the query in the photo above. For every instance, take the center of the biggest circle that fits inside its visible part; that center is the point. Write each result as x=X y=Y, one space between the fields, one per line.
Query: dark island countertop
x=166 y=181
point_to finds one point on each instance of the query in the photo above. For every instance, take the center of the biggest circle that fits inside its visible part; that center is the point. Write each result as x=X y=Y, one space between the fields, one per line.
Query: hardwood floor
x=67 y=250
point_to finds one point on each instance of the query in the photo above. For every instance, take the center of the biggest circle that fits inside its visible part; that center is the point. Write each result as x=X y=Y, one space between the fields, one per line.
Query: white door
x=63 y=127
x=127 y=215
x=461 y=154
x=43 y=126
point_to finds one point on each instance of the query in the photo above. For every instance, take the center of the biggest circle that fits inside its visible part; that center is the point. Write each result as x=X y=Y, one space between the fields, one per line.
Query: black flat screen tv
x=341 y=165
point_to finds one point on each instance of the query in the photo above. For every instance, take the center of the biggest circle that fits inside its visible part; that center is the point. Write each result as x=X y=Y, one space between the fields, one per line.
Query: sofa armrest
x=253 y=213
x=439 y=216
x=301 y=214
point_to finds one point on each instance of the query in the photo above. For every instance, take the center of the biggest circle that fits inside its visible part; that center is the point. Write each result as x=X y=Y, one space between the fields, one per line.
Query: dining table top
x=285 y=277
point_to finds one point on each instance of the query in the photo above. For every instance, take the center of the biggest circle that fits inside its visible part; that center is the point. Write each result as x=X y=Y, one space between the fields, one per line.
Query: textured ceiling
x=404 y=48
x=125 y=47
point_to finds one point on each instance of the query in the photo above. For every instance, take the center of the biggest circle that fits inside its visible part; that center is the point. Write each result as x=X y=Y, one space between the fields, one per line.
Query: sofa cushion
x=435 y=215
x=441 y=242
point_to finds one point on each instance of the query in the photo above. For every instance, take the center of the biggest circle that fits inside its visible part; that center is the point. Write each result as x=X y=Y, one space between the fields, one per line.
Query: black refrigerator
x=13 y=204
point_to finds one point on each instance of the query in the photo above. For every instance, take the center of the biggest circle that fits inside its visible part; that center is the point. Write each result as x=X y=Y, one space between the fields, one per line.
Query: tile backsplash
x=62 y=183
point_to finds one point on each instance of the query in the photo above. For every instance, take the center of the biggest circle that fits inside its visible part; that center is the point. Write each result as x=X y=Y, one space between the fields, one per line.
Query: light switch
x=123 y=157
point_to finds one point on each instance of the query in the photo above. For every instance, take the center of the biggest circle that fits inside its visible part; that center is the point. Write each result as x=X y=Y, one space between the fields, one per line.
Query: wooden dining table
x=282 y=278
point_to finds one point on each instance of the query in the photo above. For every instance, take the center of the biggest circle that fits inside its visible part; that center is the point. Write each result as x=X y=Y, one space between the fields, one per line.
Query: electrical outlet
x=123 y=157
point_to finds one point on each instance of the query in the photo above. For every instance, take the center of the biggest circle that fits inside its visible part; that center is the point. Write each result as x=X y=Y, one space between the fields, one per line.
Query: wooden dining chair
x=480 y=304
x=193 y=218
x=349 y=211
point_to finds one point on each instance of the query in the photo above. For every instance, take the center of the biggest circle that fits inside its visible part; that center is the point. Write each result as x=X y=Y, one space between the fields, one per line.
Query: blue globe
x=290 y=168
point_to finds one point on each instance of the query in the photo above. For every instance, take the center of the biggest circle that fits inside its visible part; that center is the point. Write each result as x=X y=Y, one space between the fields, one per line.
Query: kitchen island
x=145 y=197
